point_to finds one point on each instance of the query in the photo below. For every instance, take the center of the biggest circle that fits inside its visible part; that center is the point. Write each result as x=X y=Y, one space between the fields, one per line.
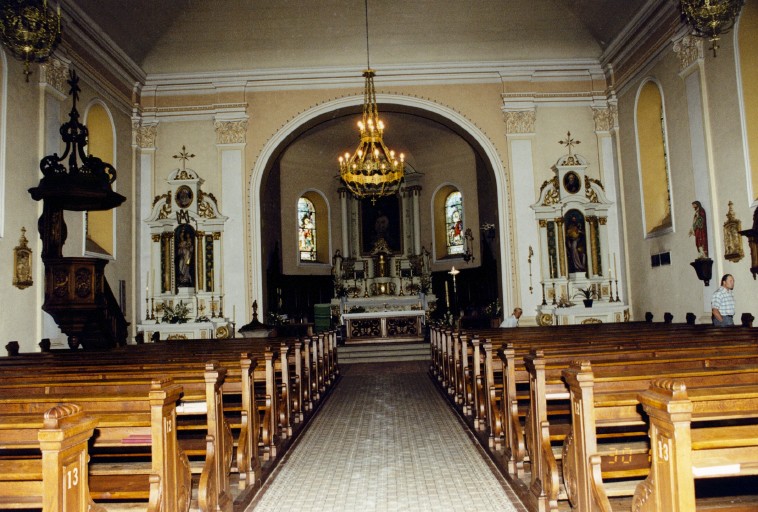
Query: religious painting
x=184 y=196
x=184 y=256
x=571 y=182
x=576 y=241
x=381 y=220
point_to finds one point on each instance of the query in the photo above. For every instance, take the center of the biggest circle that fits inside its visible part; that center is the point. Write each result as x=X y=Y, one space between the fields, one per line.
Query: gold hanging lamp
x=373 y=170
x=29 y=30
x=711 y=18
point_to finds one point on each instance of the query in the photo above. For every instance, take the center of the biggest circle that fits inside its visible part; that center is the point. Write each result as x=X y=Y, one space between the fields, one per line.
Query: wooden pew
x=604 y=400
x=43 y=460
x=680 y=453
x=143 y=420
x=201 y=398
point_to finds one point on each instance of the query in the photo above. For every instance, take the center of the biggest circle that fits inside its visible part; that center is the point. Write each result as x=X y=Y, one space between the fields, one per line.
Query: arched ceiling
x=188 y=36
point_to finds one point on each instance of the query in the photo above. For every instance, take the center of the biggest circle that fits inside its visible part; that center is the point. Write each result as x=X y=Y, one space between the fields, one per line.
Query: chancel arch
x=653 y=159
x=345 y=111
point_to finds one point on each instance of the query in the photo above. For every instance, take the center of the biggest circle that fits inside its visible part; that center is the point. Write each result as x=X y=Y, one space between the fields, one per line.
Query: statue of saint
x=699 y=230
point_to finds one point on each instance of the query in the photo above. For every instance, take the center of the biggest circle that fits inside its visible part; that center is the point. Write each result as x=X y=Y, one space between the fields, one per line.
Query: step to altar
x=382 y=352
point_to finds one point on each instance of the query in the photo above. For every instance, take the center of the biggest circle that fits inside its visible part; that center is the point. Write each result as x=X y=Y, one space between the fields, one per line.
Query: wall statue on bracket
x=732 y=240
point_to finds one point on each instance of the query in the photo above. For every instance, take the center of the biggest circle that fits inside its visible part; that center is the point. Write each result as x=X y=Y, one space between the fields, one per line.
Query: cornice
x=349 y=77
x=641 y=41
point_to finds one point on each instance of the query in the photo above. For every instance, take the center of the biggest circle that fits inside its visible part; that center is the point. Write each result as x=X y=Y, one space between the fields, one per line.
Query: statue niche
x=184 y=257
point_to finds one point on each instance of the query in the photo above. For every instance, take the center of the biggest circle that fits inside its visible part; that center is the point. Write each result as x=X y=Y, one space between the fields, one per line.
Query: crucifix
x=184 y=156
x=569 y=143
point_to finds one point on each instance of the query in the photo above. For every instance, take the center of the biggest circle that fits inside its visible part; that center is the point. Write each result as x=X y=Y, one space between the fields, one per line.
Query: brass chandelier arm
x=711 y=18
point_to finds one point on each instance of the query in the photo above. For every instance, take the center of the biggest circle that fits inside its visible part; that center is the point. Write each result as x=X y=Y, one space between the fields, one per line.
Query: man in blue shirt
x=722 y=302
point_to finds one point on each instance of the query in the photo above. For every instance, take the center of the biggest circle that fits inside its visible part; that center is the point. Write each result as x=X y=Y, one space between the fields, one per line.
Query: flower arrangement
x=275 y=319
x=493 y=309
x=177 y=314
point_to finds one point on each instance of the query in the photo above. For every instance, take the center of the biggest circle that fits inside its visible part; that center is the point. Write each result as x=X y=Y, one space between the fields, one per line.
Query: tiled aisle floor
x=386 y=441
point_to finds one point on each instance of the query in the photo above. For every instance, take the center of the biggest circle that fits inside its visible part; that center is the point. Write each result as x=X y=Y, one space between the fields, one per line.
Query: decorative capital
x=606 y=119
x=543 y=223
x=689 y=49
x=145 y=135
x=231 y=132
x=520 y=121
x=54 y=72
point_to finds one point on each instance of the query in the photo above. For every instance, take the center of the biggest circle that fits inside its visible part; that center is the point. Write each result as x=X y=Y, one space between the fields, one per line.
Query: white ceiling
x=186 y=36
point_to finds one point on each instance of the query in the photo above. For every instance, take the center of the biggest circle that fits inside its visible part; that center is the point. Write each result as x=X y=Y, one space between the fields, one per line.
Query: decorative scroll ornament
x=146 y=135
x=605 y=118
x=22 y=263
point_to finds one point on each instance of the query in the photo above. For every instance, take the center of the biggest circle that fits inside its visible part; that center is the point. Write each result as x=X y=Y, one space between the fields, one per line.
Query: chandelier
x=373 y=170
x=711 y=18
x=29 y=30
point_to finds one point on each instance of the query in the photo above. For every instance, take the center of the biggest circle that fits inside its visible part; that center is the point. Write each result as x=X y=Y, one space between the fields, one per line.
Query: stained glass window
x=306 y=221
x=454 y=223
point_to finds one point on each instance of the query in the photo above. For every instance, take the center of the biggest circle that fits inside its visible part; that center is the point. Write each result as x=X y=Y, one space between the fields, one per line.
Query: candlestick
x=610 y=284
x=152 y=309
x=147 y=308
x=617 y=291
x=221 y=306
x=213 y=308
x=544 y=302
x=554 y=301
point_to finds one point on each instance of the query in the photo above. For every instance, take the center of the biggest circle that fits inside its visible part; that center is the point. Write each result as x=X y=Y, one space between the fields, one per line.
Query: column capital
x=144 y=134
x=689 y=49
x=606 y=118
x=520 y=121
x=543 y=223
x=414 y=190
x=231 y=132
x=54 y=75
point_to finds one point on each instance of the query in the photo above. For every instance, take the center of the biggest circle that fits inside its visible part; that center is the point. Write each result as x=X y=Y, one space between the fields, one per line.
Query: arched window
x=747 y=45
x=454 y=223
x=100 y=225
x=306 y=232
x=653 y=160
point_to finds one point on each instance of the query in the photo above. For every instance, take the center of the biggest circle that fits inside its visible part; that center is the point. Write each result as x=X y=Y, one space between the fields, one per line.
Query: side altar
x=184 y=297
x=576 y=259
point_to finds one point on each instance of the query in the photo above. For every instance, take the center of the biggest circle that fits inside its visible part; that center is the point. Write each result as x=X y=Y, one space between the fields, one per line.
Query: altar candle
x=610 y=273
x=147 y=285
x=614 y=266
x=447 y=296
x=234 y=314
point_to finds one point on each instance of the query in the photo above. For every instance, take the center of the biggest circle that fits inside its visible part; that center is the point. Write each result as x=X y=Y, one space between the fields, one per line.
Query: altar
x=599 y=313
x=384 y=319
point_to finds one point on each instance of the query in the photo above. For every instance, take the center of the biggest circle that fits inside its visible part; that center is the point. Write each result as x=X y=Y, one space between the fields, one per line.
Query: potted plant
x=589 y=295
x=494 y=312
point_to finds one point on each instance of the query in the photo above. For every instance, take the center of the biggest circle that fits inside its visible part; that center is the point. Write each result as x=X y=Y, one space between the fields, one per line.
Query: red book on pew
x=137 y=439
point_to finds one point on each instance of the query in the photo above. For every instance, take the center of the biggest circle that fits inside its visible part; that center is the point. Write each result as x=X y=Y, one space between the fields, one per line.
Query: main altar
x=383 y=281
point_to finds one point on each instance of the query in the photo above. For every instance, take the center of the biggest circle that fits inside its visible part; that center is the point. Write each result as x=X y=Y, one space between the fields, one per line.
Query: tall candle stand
x=152 y=308
x=610 y=284
x=544 y=302
x=554 y=301
x=147 y=308
x=221 y=306
x=401 y=286
x=365 y=287
x=617 y=291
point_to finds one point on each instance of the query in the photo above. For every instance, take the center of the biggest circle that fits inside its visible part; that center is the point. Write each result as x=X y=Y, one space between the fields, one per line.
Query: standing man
x=512 y=321
x=722 y=303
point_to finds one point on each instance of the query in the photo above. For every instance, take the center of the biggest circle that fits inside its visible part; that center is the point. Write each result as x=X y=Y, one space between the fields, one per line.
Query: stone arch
x=454 y=120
